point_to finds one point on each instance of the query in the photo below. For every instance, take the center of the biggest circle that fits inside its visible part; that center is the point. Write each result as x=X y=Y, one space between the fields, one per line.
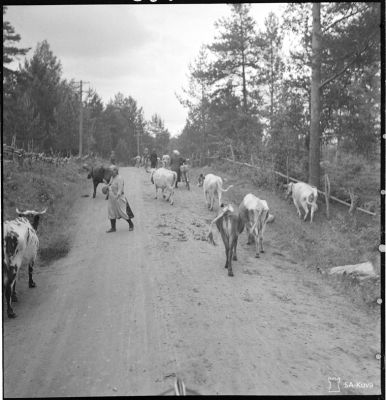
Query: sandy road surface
x=124 y=312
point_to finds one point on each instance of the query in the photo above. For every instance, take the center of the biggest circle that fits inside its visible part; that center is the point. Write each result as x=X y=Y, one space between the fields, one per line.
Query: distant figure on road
x=153 y=159
x=112 y=158
x=118 y=206
x=145 y=157
x=175 y=163
x=137 y=161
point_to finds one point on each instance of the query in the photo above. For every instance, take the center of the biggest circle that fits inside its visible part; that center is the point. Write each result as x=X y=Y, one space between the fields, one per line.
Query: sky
x=139 y=50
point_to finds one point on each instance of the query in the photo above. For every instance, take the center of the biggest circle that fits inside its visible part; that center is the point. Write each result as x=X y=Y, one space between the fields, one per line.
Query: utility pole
x=80 y=122
x=81 y=117
x=137 y=142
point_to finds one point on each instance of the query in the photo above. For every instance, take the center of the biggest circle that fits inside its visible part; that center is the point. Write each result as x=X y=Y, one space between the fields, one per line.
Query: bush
x=44 y=186
x=355 y=172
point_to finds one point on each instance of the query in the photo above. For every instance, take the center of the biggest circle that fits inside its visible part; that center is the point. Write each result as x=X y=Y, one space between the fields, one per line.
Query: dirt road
x=124 y=312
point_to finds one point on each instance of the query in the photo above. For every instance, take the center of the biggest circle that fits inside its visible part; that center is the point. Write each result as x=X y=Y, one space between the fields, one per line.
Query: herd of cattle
x=252 y=213
x=21 y=243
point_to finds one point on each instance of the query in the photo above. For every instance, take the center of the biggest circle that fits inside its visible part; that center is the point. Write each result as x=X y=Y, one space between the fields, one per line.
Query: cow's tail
x=209 y=237
x=311 y=199
x=225 y=190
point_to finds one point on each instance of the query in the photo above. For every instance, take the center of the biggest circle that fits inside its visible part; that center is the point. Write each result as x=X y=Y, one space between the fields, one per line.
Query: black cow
x=100 y=175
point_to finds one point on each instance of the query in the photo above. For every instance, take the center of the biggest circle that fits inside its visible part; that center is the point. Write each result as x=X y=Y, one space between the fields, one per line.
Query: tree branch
x=341 y=19
x=344 y=69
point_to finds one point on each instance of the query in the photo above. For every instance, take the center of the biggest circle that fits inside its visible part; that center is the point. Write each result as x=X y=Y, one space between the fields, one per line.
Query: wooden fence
x=296 y=180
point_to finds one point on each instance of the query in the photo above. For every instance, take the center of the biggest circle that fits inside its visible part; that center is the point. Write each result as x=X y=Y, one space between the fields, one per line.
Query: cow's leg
x=261 y=238
x=156 y=189
x=235 y=249
x=13 y=291
x=256 y=238
x=163 y=193
x=226 y=246
x=211 y=202
x=230 y=254
x=249 y=233
x=8 y=297
x=207 y=199
x=219 y=198
x=297 y=207
x=31 y=283
x=257 y=245
x=305 y=208
x=94 y=194
x=171 y=197
x=312 y=211
x=226 y=257
x=261 y=243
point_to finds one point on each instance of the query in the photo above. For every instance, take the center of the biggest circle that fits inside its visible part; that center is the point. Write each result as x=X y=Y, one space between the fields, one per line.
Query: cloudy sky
x=140 y=50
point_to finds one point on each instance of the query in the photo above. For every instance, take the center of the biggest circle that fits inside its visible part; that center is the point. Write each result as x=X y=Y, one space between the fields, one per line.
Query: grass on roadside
x=39 y=187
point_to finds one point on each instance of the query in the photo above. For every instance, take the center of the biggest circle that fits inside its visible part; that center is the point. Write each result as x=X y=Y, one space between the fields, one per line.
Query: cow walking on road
x=164 y=179
x=212 y=187
x=230 y=225
x=255 y=215
x=20 y=247
x=99 y=175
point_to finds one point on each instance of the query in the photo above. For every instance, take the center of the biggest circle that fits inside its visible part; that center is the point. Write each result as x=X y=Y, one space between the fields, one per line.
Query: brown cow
x=99 y=175
x=230 y=225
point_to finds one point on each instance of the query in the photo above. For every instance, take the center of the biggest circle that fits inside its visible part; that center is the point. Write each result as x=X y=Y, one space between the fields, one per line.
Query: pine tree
x=10 y=51
x=235 y=48
x=273 y=66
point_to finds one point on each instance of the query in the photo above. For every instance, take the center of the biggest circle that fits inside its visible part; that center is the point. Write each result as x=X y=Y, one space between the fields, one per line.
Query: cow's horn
x=19 y=212
x=43 y=212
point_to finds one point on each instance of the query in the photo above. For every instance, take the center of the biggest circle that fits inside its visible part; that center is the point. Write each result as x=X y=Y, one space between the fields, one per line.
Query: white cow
x=255 y=214
x=303 y=195
x=213 y=186
x=164 y=179
x=20 y=247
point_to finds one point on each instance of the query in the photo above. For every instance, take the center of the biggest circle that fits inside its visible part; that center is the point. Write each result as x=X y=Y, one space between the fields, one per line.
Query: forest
x=300 y=94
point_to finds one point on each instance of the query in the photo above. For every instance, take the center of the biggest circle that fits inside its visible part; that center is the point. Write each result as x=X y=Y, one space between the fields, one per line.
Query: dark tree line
x=42 y=110
x=245 y=93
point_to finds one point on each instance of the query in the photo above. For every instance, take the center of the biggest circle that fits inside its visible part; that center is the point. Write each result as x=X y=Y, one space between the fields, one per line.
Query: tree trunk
x=314 y=153
x=245 y=104
x=327 y=189
x=271 y=88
